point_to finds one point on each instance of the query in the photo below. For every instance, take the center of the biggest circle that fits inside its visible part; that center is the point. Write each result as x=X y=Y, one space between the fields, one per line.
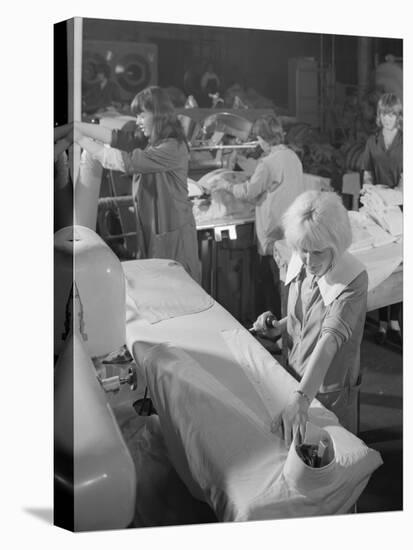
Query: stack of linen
x=366 y=232
x=382 y=205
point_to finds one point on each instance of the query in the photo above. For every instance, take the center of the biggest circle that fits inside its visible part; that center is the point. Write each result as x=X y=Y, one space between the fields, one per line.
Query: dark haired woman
x=165 y=221
x=383 y=165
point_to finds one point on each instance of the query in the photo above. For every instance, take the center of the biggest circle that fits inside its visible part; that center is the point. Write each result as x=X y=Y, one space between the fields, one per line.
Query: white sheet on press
x=224 y=451
x=155 y=287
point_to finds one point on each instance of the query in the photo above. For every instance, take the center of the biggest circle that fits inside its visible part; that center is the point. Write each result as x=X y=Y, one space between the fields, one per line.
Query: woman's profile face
x=145 y=121
x=388 y=120
x=316 y=262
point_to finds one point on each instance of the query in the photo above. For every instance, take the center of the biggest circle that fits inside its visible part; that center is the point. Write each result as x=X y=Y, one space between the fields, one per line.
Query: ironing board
x=215 y=389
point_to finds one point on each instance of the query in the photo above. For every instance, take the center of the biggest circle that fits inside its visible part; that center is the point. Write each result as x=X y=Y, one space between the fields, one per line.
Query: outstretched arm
x=295 y=415
x=63 y=131
x=93 y=131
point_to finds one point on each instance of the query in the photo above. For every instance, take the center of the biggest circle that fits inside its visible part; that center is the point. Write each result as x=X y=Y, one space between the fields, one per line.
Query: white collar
x=332 y=283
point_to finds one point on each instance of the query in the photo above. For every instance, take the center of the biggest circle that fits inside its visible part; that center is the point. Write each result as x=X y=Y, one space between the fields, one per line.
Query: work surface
x=216 y=390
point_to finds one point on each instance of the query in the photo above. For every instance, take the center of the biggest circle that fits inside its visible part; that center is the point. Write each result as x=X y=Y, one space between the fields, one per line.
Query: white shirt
x=276 y=182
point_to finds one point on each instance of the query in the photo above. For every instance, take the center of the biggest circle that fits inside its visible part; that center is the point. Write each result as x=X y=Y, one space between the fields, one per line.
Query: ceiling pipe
x=364 y=63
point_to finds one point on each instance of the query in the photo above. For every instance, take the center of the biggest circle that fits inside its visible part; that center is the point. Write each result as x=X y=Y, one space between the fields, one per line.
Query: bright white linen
x=155 y=287
x=382 y=204
x=221 y=204
x=226 y=454
x=216 y=389
x=366 y=232
x=380 y=262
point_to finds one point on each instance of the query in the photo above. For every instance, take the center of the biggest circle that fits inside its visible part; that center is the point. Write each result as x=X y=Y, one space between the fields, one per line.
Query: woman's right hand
x=267 y=325
x=63 y=132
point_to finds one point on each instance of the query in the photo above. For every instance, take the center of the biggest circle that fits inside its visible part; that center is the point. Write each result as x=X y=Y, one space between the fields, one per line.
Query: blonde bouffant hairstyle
x=317 y=220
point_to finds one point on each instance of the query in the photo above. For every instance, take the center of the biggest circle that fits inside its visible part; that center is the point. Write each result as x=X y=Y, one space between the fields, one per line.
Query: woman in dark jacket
x=383 y=165
x=165 y=222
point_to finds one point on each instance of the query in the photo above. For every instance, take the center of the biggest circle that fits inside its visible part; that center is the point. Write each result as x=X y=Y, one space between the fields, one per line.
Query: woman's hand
x=63 y=132
x=221 y=184
x=267 y=325
x=293 y=418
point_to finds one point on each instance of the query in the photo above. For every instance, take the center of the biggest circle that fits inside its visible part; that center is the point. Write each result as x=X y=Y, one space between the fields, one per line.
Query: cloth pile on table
x=382 y=205
x=220 y=203
x=366 y=232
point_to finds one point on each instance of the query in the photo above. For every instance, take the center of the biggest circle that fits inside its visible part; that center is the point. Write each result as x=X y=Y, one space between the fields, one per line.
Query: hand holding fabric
x=293 y=419
x=221 y=185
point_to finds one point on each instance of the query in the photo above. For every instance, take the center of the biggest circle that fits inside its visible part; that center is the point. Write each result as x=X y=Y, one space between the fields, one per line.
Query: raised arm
x=63 y=131
x=93 y=131
x=252 y=189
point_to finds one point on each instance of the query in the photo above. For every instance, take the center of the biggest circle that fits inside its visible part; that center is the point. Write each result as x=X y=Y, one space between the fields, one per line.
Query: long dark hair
x=165 y=121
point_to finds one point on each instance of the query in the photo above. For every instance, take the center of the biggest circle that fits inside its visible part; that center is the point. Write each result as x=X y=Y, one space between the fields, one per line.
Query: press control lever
x=269 y=322
x=113 y=383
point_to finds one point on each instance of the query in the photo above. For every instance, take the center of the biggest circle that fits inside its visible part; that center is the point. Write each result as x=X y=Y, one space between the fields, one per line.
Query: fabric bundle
x=382 y=205
x=220 y=203
x=366 y=232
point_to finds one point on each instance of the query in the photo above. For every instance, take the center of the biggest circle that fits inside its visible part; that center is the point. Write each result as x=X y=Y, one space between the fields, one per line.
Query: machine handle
x=113 y=383
x=225 y=231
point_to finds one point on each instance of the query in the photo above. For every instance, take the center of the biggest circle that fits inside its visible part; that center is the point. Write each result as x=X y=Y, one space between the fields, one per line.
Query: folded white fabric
x=382 y=204
x=155 y=288
x=366 y=232
x=222 y=204
x=385 y=195
x=225 y=453
x=380 y=262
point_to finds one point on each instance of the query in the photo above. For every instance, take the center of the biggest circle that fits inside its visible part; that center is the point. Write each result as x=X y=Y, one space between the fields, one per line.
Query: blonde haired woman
x=327 y=299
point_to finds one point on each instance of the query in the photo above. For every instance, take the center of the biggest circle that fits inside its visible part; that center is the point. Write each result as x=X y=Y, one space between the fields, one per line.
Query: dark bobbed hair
x=165 y=121
x=390 y=103
x=269 y=127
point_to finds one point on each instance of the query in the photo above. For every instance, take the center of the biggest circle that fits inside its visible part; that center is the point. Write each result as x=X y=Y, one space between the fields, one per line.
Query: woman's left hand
x=294 y=417
x=222 y=185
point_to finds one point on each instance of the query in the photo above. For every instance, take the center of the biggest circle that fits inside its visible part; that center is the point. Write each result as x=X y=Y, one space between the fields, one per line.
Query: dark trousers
x=390 y=313
x=267 y=289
